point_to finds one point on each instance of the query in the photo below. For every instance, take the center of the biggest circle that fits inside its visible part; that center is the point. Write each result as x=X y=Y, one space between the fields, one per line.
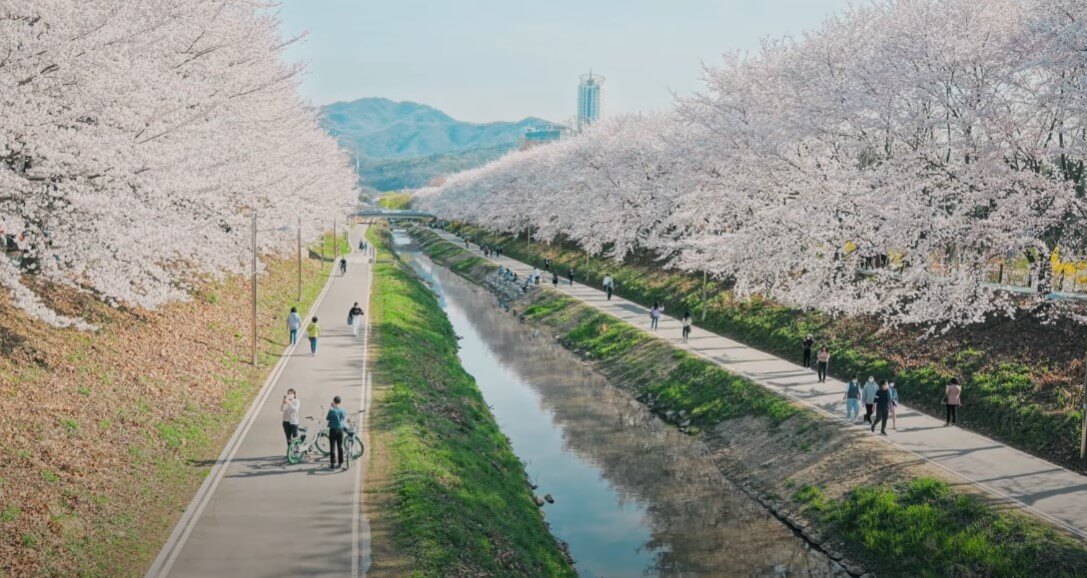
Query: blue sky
x=486 y=60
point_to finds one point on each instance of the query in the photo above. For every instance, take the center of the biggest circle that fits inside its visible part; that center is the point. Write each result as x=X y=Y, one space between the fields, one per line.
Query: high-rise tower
x=590 y=91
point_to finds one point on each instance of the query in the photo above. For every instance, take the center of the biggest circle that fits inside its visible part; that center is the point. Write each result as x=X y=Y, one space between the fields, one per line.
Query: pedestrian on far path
x=883 y=404
x=290 y=407
x=609 y=285
x=654 y=316
x=313 y=331
x=686 y=325
x=570 y=276
x=852 y=399
x=894 y=405
x=294 y=323
x=337 y=420
x=547 y=265
x=809 y=341
x=555 y=280
x=868 y=397
x=354 y=318
x=822 y=360
x=952 y=399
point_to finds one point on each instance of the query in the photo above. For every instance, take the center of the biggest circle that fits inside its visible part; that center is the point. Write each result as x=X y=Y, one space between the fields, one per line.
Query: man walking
x=868 y=397
x=609 y=285
x=883 y=406
x=337 y=419
x=852 y=400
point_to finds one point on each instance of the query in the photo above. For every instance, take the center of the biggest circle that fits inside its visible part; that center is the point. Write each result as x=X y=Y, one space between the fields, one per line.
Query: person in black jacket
x=883 y=408
x=809 y=341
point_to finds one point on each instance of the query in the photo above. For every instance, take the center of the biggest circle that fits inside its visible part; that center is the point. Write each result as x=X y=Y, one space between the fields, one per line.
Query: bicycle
x=301 y=446
x=353 y=447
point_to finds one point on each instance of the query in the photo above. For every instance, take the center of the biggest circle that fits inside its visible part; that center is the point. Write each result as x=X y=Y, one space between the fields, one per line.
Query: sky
x=490 y=60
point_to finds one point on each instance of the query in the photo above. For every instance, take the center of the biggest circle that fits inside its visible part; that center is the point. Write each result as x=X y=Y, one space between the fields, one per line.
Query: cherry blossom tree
x=137 y=138
x=881 y=164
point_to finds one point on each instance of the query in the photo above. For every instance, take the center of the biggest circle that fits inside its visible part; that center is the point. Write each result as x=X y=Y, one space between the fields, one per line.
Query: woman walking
x=555 y=280
x=354 y=318
x=609 y=285
x=952 y=400
x=294 y=323
x=570 y=275
x=290 y=407
x=686 y=325
x=654 y=316
x=809 y=341
x=313 y=332
x=822 y=359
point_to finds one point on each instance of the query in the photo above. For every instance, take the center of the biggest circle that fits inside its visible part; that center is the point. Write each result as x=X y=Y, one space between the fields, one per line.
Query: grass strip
x=461 y=504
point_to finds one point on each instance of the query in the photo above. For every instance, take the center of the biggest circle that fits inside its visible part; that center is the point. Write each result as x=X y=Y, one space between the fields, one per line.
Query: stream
x=633 y=495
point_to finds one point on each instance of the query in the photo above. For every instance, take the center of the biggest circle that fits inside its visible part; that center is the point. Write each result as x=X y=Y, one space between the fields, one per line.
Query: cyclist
x=354 y=317
x=337 y=420
x=343 y=265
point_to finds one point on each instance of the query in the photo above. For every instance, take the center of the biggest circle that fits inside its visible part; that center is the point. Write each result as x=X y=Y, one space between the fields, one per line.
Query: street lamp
x=253 y=320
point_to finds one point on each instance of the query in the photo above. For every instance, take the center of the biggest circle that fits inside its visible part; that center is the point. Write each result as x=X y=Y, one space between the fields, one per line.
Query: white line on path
x=363 y=558
x=169 y=552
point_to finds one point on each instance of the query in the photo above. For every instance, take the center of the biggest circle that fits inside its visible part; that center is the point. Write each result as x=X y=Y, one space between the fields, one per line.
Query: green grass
x=925 y=527
x=460 y=499
x=1002 y=395
x=395 y=201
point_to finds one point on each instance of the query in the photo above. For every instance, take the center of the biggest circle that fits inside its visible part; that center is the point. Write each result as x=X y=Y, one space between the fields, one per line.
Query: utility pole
x=300 y=258
x=335 y=243
x=1083 y=410
x=704 y=304
x=254 y=272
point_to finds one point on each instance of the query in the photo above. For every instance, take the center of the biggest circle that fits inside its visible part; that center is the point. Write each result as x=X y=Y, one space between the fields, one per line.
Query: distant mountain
x=405 y=144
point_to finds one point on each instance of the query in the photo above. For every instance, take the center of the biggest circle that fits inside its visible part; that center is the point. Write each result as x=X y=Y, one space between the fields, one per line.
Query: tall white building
x=590 y=91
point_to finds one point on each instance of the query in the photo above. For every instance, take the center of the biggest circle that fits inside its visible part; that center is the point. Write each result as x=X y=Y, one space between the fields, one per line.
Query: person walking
x=894 y=404
x=852 y=400
x=686 y=325
x=822 y=360
x=952 y=400
x=654 y=316
x=809 y=341
x=547 y=265
x=609 y=285
x=883 y=404
x=555 y=280
x=535 y=276
x=294 y=323
x=290 y=407
x=354 y=318
x=313 y=331
x=337 y=420
x=570 y=275
x=343 y=266
x=868 y=397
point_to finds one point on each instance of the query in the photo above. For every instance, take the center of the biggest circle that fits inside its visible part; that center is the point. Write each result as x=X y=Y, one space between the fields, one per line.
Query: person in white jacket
x=294 y=323
x=290 y=407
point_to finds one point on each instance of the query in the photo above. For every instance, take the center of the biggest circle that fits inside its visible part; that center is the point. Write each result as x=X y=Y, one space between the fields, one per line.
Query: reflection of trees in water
x=700 y=523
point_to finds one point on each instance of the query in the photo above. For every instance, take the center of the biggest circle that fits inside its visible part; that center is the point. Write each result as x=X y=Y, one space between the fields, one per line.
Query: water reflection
x=634 y=497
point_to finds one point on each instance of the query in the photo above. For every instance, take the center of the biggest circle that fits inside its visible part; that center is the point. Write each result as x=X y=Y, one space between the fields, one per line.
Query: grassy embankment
x=109 y=434
x=395 y=201
x=459 y=503
x=880 y=510
x=1022 y=378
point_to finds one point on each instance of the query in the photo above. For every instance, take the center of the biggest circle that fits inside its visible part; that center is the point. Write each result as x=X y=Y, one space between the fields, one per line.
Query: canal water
x=633 y=496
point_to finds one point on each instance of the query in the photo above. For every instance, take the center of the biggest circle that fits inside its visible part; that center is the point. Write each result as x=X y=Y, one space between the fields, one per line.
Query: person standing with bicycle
x=290 y=407
x=337 y=420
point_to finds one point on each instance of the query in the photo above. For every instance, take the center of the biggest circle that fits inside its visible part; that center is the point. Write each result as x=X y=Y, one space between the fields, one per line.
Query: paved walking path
x=258 y=516
x=1047 y=490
